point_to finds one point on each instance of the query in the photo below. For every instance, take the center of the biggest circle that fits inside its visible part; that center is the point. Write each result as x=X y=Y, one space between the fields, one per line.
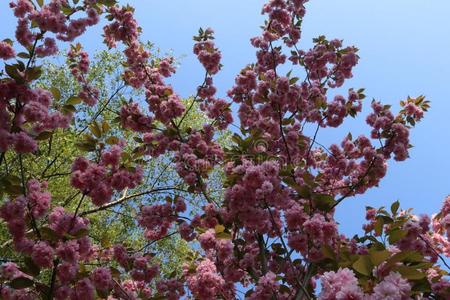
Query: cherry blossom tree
x=271 y=233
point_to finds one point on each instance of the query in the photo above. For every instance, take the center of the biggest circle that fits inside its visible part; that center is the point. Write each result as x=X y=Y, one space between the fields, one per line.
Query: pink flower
x=42 y=255
x=267 y=287
x=102 y=279
x=66 y=272
x=48 y=48
x=38 y=200
x=6 y=51
x=393 y=287
x=10 y=271
x=206 y=283
x=23 y=143
x=84 y=289
x=68 y=251
x=340 y=285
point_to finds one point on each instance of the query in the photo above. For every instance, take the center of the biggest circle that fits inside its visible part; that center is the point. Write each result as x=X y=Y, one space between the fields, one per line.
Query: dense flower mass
x=267 y=231
x=99 y=181
x=6 y=51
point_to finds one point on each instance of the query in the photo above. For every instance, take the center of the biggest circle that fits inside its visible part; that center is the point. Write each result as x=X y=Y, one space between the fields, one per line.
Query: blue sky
x=404 y=48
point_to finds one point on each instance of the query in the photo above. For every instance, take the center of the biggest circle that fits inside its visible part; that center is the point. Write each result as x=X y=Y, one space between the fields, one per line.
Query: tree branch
x=125 y=198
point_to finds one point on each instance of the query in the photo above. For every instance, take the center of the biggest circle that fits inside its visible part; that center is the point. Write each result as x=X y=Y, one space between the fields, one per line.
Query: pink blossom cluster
x=157 y=219
x=344 y=168
x=137 y=72
x=385 y=126
x=10 y=271
x=79 y=60
x=221 y=249
x=100 y=180
x=48 y=48
x=316 y=228
x=267 y=286
x=32 y=117
x=340 y=108
x=281 y=186
x=102 y=278
x=18 y=212
x=172 y=289
x=414 y=111
x=250 y=198
x=162 y=101
x=198 y=155
x=49 y=18
x=132 y=118
x=216 y=109
x=123 y=28
x=207 y=53
x=281 y=15
x=62 y=222
x=38 y=199
x=130 y=289
x=344 y=285
x=6 y=51
x=417 y=238
x=8 y=293
x=205 y=283
x=140 y=267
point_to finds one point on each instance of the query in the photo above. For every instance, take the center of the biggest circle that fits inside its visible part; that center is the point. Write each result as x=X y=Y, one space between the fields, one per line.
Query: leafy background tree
x=115 y=224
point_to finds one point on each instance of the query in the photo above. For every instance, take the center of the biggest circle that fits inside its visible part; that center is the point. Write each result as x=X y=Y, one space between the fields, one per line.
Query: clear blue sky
x=404 y=48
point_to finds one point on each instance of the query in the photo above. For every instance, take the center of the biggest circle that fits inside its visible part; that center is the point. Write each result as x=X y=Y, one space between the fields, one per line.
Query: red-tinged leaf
x=21 y=283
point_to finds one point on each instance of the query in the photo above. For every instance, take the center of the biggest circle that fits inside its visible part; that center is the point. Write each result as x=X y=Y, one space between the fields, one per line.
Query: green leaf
x=219 y=228
x=67 y=10
x=23 y=55
x=49 y=234
x=363 y=265
x=9 y=41
x=34 y=73
x=105 y=127
x=95 y=129
x=278 y=248
x=12 y=71
x=56 y=93
x=223 y=235
x=13 y=189
x=21 y=283
x=411 y=256
x=379 y=226
x=304 y=191
x=45 y=135
x=377 y=257
x=43 y=289
x=293 y=80
x=394 y=207
x=328 y=252
x=410 y=273
x=74 y=100
x=30 y=267
x=323 y=202
x=69 y=108
x=284 y=289
x=109 y=3
x=114 y=272
x=86 y=146
x=81 y=233
x=396 y=234
x=40 y=2
x=112 y=140
x=102 y=294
